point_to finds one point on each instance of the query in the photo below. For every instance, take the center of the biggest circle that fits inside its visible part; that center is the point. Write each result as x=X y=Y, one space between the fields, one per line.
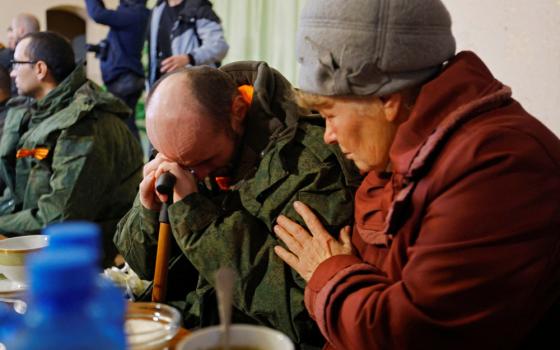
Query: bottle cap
x=82 y=234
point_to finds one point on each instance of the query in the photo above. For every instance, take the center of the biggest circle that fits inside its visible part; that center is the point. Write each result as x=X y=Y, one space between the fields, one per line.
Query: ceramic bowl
x=13 y=252
x=241 y=335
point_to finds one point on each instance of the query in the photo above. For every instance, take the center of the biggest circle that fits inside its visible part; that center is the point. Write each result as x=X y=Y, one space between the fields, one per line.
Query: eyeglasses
x=16 y=63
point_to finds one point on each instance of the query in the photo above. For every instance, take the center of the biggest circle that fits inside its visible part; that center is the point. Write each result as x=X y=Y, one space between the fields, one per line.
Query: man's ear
x=392 y=105
x=239 y=108
x=41 y=70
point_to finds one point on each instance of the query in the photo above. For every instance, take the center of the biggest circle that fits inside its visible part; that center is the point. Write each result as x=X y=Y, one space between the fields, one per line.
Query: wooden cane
x=164 y=185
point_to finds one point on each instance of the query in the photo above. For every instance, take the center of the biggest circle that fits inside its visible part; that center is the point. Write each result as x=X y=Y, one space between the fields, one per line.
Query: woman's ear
x=239 y=108
x=392 y=106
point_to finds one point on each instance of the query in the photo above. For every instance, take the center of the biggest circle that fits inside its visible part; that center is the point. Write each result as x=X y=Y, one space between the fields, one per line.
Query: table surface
x=182 y=333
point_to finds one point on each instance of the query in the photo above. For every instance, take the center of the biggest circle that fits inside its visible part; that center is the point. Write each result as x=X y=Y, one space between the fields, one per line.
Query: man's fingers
x=291 y=242
x=288 y=257
x=165 y=67
x=170 y=64
x=147 y=192
x=171 y=167
x=151 y=165
x=146 y=183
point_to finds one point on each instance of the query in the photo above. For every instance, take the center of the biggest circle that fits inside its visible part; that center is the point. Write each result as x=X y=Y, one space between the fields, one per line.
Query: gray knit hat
x=362 y=47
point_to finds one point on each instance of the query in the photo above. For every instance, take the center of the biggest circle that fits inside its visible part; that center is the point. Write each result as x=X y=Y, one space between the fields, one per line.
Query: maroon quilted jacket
x=459 y=247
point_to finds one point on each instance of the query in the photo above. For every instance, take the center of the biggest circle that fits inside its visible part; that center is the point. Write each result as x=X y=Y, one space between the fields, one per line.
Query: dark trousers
x=128 y=87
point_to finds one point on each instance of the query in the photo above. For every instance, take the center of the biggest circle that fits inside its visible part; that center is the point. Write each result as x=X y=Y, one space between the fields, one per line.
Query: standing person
x=121 y=52
x=184 y=33
x=239 y=129
x=21 y=25
x=456 y=232
x=66 y=153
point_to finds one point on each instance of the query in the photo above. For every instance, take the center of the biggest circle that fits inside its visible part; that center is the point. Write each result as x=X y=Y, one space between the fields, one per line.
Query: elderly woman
x=455 y=242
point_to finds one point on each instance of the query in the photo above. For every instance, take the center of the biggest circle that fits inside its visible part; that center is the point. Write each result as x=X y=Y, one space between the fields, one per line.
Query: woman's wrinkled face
x=362 y=130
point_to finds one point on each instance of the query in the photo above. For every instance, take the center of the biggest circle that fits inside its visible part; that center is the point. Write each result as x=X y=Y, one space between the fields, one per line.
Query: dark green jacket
x=92 y=168
x=283 y=159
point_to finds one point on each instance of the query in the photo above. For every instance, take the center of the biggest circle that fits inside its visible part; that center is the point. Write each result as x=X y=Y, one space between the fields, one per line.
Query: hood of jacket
x=273 y=116
x=77 y=95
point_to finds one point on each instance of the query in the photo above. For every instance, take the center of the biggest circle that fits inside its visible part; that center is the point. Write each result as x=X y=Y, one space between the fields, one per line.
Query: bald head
x=174 y=119
x=195 y=117
x=183 y=102
x=22 y=24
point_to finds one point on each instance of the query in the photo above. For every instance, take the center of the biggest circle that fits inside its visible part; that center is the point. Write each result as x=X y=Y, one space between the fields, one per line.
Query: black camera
x=101 y=50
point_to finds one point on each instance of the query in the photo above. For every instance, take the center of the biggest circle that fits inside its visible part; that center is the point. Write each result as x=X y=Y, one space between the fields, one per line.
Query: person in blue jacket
x=120 y=53
x=184 y=33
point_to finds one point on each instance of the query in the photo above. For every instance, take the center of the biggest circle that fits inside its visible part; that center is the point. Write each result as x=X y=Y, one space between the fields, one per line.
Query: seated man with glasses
x=66 y=152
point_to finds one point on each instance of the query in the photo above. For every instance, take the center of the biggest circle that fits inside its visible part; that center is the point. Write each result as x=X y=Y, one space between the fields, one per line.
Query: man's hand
x=185 y=183
x=174 y=62
x=147 y=190
x=307 y=250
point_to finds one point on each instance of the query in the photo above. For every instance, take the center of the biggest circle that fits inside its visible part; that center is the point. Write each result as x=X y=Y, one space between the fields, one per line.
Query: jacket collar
x=59 y=96
x=462 y=91
x=69 y=102
x=273 y=115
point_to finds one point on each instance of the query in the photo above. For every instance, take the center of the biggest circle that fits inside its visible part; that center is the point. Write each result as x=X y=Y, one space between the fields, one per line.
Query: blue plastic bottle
x=61 y=289
x=107 y=304
x=81 y=234
x=10 y=323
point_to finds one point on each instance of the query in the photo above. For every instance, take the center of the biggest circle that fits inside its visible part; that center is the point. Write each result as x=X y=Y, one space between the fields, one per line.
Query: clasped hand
x=185 y=183
x=308 y=249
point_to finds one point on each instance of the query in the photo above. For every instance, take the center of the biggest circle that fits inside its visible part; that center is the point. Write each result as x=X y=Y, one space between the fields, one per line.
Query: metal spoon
x=20 y=306
x=225 y=277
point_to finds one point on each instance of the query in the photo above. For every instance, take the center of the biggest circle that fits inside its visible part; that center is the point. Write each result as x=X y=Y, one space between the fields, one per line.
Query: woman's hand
x=308 y=249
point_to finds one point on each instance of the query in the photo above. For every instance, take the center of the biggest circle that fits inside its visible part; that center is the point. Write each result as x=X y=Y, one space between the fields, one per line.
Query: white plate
x=10 y=287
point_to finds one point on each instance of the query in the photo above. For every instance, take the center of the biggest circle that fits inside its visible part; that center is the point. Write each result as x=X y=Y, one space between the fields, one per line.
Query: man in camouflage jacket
x=66 y=153
x=279 y=157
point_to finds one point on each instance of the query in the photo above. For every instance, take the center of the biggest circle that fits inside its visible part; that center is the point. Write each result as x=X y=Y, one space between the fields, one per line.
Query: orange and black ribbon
x=223 y=182
x=38 y=153
x=246 y=92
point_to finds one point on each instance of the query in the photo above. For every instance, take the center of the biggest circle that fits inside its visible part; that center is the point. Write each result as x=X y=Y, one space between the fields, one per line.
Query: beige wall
x=518 y=39
x=94 y=32
x=520 y=42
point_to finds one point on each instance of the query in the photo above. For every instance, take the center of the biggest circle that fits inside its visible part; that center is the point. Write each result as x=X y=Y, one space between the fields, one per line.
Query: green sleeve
x=136 y=239
x=75 y=189
x=266 y=289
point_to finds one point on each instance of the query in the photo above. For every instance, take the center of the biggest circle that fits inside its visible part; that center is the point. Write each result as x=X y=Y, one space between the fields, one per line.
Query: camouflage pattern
x=92 y=169
x=285 y=162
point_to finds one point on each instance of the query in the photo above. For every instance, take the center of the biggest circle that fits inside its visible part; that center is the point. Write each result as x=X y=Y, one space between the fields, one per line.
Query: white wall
x=519 y=40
